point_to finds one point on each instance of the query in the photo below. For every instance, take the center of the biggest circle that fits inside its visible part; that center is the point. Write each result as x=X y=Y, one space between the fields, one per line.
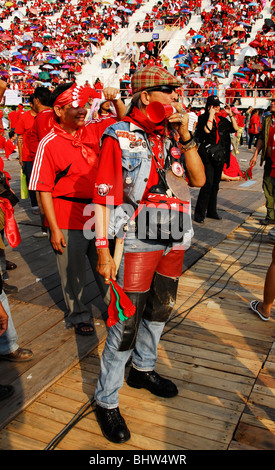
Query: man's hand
x=106 y=266
x=253 y=161
x=228 y=110
x=180 y=122
x=57 y=240
x=110 y=93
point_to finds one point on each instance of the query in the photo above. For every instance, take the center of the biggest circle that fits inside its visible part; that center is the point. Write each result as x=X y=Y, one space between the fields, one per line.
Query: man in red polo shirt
x=23 y=128
x=64 y=174
x=13 y=118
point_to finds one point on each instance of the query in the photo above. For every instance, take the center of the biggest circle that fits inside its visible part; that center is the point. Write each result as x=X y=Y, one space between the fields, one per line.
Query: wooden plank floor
x=219 y=354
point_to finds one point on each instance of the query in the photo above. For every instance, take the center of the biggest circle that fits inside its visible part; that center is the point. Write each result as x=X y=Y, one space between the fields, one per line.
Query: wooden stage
x=220 y=354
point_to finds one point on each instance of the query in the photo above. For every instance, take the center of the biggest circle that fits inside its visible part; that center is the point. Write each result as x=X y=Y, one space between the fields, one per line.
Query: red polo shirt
x=41 y=127
x=56 y=155
x=23 y=127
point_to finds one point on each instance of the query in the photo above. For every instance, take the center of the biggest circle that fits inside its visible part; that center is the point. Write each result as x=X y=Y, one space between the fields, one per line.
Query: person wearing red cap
x=138 y=156
x=64 y=174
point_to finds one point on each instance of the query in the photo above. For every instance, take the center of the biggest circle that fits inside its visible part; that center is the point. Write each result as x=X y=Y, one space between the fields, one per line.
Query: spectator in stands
x=117 y=61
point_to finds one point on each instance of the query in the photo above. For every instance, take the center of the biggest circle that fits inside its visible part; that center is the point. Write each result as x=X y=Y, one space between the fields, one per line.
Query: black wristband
x=188 y=141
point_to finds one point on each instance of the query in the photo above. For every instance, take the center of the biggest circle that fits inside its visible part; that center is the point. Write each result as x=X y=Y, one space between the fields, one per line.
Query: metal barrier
x=256 y=97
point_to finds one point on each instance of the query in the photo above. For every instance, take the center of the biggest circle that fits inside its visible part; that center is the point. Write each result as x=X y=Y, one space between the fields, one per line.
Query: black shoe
x=214 y=216
x=153 y=382
x=198 y=219
x=8 y=289
x=6 y=391
x=112 y=424
x=267 y=221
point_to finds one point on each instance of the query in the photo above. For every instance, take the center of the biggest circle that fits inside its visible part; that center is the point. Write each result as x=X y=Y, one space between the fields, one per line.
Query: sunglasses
x=163 y=88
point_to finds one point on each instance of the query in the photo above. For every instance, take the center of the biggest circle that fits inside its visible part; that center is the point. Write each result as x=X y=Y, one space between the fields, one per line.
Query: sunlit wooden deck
x=220 y=354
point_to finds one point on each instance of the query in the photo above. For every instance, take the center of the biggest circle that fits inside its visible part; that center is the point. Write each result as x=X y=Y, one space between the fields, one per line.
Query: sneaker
x=112 y=424
x=153 y=382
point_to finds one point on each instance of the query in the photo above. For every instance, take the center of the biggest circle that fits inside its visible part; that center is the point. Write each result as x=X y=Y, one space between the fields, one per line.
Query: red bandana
x=78 y=141
x=77 y=95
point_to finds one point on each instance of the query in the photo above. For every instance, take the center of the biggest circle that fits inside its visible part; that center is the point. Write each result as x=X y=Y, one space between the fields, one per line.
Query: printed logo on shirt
x=130 y=141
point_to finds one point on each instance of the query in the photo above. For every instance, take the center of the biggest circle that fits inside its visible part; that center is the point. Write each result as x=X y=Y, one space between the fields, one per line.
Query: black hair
x=31 y=97
x=11 y=134
x=43 y=94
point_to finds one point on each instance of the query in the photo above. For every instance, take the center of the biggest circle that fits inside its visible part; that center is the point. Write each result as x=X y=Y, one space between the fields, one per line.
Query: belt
x=75 y=199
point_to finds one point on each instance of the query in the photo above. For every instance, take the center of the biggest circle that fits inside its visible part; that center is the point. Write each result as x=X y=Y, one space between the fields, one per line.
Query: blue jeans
x=144 y=353
x=113 y=362
x=8 y=341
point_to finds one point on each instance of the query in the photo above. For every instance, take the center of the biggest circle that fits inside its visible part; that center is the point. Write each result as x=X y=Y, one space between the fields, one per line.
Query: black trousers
x=27 y=169
x=207 y=198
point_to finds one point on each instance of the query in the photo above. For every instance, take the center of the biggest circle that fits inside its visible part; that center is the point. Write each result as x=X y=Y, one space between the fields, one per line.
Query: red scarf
x=11 y=229
x=154 y=131
x=77 y=141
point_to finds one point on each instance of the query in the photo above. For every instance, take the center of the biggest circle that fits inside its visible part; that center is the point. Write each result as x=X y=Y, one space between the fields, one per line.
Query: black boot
x=112 y=424
x=153 y=382
x=130 y=326
x=161 y=298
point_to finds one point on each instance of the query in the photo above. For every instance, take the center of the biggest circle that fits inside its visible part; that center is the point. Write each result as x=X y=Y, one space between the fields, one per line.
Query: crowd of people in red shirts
x=81 y=30
x=58 y=46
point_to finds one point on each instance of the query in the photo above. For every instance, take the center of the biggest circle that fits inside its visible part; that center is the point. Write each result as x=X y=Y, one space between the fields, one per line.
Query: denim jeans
x=8 y=341
x=113 y=362
x=144 y=354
